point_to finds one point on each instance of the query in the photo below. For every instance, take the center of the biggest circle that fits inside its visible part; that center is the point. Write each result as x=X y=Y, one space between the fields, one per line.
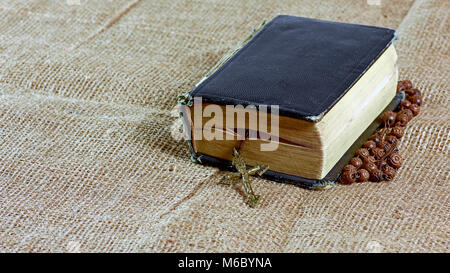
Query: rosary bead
x=408 y=112
x=364 y=175
x=413 y=91
x=388 y=118
x=405 y=104
x=378 y=159
x=381 y=144
x=357 y=162
x=398 y=131
x=377 y=153
x=416 y=99
x=402 y=120
x=349 y=168
x=389 y=173
x=376 y=138
x=382 y=165
x=348 y=177
x=370 y=144
x=391 y=138
x=415 y=109
x=387 y=146
x=404 y=85
x=369 y=159
x=407 y=84
x=376 y=175
x=395 y=160
x=362 y=152
x=370 y=166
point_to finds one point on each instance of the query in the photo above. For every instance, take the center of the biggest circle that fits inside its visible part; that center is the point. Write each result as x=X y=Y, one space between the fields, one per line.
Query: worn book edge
x=329 y=179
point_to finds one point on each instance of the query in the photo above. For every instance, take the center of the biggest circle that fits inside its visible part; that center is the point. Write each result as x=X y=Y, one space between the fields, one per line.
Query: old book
x=322 y=83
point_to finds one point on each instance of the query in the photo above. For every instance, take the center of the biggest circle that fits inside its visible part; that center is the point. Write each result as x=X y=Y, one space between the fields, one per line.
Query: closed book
x=324 y=83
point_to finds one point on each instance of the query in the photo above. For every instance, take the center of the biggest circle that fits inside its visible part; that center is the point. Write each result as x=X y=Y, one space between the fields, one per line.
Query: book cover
x=302 y=65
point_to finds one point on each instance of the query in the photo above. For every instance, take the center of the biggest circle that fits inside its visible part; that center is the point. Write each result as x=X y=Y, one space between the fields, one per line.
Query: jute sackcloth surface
x=89 y=161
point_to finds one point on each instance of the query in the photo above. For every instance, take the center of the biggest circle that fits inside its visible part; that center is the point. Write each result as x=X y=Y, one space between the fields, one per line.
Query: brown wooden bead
x=413 y=91
x=389 y=173
x=415 y=109
x=387 y=146
x=405 y=104
x=363 y=157
x=404 y=85
x=348 y=177
x=369 y=159
x=357 y=162
x=370 y=144
x=376 y=138
x=398 y=131
x=376 y=175
x=416 y=99
x=382 y=164
x=364 y=175
x=391 y=138
x=395 y=160
x=408 y=112
x=377 y=153
x=388 y=118
x=402 y=120
x=381 y=144
x=362 y=152
x=407 y=84
x=370 y=166
x=349 y=168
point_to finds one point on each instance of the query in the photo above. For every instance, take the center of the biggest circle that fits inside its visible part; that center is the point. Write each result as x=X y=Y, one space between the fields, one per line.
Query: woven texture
x=88 y=161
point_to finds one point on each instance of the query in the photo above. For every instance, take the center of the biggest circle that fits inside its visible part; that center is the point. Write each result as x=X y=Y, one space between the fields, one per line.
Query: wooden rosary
x=378 y=159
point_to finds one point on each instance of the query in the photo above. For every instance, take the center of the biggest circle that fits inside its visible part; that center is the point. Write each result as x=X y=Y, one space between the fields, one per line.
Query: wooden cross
x=244 y=174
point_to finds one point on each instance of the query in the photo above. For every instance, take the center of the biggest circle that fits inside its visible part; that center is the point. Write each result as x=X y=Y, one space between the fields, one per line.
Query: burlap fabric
x=88 y=161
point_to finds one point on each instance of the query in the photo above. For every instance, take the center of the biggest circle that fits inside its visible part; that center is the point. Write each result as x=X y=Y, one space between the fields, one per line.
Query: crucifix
x=243 y=175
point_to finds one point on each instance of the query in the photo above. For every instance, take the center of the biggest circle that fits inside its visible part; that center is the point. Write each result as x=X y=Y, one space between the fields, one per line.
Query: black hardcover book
x=306 y=67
